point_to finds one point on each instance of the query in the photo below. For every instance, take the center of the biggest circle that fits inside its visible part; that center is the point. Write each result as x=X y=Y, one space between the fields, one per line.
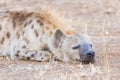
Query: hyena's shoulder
x=45 y=17
x=12 y=23
x=49 y=19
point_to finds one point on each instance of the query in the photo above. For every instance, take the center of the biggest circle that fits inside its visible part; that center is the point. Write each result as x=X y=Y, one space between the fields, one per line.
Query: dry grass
x=22 y=70
x=98 y=18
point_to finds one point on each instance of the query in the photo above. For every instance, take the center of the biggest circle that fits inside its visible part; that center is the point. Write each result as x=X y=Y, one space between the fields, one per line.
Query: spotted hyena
x=41 y=36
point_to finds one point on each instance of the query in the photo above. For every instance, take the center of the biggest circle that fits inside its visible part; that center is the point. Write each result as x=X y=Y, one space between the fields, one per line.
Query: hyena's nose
x=90 y=53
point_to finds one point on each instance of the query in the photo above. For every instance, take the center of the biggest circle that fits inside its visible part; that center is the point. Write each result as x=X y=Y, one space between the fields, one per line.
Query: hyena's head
x=74 y=47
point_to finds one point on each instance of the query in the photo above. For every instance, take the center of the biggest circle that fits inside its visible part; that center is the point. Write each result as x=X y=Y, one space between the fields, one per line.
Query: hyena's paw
x=43 y=56
x=33 y=55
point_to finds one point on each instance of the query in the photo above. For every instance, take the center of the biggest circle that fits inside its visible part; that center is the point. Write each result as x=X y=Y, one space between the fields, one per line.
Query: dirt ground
x=98 y=18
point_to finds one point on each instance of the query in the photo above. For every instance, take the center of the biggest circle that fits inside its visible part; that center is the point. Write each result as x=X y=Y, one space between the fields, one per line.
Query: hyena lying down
x=41 y=36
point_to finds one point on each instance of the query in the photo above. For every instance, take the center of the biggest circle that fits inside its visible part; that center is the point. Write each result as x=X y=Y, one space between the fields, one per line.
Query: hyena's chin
x=88 y=57
x=87 y=61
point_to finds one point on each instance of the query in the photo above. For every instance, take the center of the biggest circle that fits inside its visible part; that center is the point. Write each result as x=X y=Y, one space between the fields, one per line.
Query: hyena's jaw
x=87 y=61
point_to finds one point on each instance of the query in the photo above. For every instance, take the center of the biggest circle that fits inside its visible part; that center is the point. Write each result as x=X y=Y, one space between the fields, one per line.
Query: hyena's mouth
x=88 y=61
x=88 y=58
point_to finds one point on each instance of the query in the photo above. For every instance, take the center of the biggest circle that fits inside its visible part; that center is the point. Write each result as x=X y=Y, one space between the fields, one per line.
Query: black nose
x=90 y=54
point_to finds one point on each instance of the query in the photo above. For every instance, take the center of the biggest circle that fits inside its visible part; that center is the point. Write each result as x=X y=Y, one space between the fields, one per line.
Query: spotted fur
x=34 y=35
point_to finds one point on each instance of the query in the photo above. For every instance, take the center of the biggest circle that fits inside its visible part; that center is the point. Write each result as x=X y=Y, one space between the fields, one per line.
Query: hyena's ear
x=58 y=36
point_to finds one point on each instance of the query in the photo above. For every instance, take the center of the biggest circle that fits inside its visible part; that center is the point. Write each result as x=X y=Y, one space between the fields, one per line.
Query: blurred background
x=100 y=19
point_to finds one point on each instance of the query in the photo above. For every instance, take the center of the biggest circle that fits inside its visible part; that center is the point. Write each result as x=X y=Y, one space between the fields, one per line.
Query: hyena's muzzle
x=87 y=54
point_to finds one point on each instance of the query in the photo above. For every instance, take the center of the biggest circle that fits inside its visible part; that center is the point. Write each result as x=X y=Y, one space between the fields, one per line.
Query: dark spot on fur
x=23 y=46
x=14 y=24
x=32 y=55
x=2 y=40
x=25 y=24
x=36 y=33
x=32 y=26
x=42 y=58
x=36 y=52
x=8 y=34
x=26 y=40
x=18 y=35
x=23 y=32
x=46 y=55
x=26 y=52
x=17 y=55
x=40 y=22
x=18 y=51
x=40 y=54
x=30 y=21
x=28 y=58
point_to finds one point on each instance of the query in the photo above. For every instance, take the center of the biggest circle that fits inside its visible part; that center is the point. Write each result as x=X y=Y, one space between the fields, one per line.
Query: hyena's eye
x=76 y=47
x=91 y=45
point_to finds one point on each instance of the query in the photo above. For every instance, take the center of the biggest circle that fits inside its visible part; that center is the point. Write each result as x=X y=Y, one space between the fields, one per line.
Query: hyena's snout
x=88 y=56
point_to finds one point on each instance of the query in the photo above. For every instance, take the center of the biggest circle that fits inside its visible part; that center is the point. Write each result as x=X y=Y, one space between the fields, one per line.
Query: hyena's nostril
x=90 y=54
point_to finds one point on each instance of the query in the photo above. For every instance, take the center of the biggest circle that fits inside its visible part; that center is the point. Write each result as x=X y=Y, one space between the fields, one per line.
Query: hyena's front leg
x=19 y=50
x=32 y=55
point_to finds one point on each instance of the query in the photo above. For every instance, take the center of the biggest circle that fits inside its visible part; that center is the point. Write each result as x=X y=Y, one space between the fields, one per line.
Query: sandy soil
x=99 y=18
